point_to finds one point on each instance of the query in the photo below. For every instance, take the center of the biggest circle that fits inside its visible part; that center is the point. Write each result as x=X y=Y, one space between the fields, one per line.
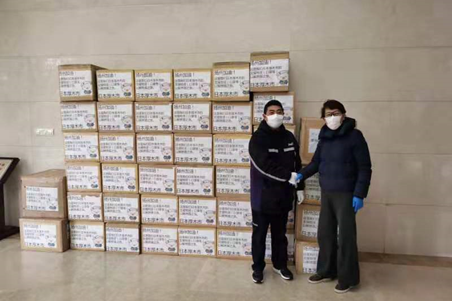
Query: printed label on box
x=193 y=149
x=41 y=198
x=310 y=255
x=197 y=242
x=234 y=214
x=155 y=117
x=80 y=116
x=117 y=148
x=115 y=117
x=115 y=85
x=87 y=236
x=231 y=118
x=231 y=150
x=123 y=239
x=81 y=147
x=119 y=178
x=194 y=181
x=76 y=83
x=287 y=100
x=234 y=243
x=313 y=140
x=197 y=212
x=82 y=177
x=231 y=82
x=39 y=235
x=192 y=117
x=159 y=210
x=121 y=208
x=310 y=223
x=312 y=190
x=153 y=84
x=160 y=240
x=232 y=180
x=192 y=84
x=156 y=180
x=155 y=148
x=269 y=73
x=290 y=247
x=84 y=207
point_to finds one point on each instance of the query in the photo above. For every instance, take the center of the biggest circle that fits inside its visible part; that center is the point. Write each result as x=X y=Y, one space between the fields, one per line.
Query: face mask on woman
x=274 y=121
x=333 y=122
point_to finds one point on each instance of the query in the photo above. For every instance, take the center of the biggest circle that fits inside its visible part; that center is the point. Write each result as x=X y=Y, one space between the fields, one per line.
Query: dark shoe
x=343 y=288
x=285 y=273
x=258 y=277
x=316 y=278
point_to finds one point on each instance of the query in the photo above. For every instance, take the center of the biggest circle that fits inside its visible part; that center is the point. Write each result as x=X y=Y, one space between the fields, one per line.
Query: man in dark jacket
x=275 y=160
x=343 y=161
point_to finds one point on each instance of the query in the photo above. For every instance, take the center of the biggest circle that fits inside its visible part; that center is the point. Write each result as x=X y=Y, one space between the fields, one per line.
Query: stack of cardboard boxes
x=307 y=213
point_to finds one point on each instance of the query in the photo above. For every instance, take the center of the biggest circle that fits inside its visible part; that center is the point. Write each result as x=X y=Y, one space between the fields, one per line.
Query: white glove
x=300 y=196
x=293 y=179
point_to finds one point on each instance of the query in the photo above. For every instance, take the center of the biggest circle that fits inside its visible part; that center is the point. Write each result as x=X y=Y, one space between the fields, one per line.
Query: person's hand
x=300 y=196
x=358 y=203
x=293 y=179
x=299 y=177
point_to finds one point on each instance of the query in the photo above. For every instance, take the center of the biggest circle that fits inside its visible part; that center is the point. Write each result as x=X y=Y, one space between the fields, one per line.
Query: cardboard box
x=192 y=117
x=44 y=194
x=78 y=82
x=155 y=148
x=291 y=128
x=120 y=178
x=234 y=244
x=312 y=191
x=287 y=100
x=157 y=179
x=233 y=181
x=234 y=213
x=48 y=235
x=88 y=236
x=153 y=117
x=159 y=209
x=290 y=247
x=231 y=81
x=195 y=180
x=306 y=257
x=81 y=147
x=310 y=130
x=85 y=206
x=117 y=148
x=198 y=212
x=307 y=222
x=116 y=117
x=231 y=149
x=78 y=117
x=232 y=117
x=83 y=177
x=291 y=217
x=192 y=84
x=123 y=238
x=269 y=71
x=197 y=241
x=193 y=148
x=122 y=208
x=159 y=240
x=115 y=85
x=154 y=84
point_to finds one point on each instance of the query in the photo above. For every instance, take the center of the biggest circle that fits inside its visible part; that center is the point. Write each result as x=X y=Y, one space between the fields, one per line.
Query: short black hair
x=332 y=104
x=273 y=102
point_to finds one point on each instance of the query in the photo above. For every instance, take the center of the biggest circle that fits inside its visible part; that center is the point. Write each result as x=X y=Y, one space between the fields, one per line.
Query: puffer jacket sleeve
x=363 y=162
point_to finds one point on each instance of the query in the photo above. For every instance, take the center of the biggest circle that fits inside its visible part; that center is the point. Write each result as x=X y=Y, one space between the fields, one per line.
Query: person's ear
x=264 y=116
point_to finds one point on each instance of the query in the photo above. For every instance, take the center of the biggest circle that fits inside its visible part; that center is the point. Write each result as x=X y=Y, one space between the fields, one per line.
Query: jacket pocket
x=277 y=198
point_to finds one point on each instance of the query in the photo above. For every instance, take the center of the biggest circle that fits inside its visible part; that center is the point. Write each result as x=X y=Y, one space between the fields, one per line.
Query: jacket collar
x=263 y=126
x=346 y=127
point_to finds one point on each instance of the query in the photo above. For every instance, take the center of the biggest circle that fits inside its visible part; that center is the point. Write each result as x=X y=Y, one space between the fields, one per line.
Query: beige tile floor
x=78 y=275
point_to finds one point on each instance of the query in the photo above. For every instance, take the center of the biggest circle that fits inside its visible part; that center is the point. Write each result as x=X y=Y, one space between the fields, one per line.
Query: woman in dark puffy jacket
x=343 y=161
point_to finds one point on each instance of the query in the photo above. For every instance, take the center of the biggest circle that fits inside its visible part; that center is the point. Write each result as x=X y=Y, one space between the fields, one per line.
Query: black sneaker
x=285 y=273
x=316 y=278
x=342 y=288
x=258 y=277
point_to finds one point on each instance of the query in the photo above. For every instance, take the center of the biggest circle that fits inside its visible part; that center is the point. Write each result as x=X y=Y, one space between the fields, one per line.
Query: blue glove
x=358 y=203
x=299 y=177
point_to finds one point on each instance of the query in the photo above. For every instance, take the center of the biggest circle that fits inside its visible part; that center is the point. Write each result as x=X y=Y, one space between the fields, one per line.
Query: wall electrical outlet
x=45 y=132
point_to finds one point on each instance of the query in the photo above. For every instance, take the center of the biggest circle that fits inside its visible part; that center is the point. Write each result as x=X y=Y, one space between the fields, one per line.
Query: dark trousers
x=278 y=223
x=338 y=257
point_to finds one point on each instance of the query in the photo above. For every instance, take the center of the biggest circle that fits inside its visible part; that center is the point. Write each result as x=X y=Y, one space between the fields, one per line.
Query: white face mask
x=274 y=121
x=333 y=122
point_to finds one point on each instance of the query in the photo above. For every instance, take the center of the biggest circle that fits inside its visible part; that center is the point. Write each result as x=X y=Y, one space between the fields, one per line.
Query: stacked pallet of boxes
x=307 y=213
